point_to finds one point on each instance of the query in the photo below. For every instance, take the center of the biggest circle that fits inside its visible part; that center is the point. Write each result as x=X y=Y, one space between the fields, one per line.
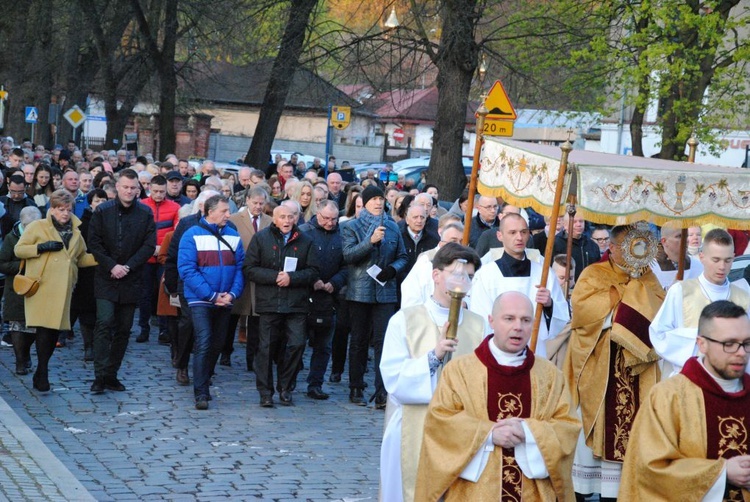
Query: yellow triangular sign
x=498 y=104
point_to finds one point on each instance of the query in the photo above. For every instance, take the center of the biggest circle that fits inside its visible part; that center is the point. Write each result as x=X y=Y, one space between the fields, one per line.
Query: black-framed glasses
x=600 y=239
x=730 y=347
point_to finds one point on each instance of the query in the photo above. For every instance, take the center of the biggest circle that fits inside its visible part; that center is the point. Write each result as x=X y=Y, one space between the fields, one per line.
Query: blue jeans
x=210 y=328
x=320 y=341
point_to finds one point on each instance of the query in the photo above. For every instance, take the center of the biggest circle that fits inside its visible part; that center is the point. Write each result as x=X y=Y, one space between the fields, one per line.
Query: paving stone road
x=149 y=443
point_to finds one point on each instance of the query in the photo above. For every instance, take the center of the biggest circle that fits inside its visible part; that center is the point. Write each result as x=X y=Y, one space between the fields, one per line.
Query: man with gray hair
x=213 y=182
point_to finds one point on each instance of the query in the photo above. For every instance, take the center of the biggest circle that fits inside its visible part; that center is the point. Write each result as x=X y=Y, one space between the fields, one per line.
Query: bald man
x=283 y=264
x=667 y=262
x=335 y=190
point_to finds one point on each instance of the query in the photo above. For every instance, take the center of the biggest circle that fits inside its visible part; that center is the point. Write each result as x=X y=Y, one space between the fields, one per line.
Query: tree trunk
x=456 y=61
x=168 y=82
x=279 y=82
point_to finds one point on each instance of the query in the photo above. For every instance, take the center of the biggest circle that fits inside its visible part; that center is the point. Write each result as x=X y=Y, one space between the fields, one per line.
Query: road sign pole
x=329 y=130
x=32 y=132
x=2 y=114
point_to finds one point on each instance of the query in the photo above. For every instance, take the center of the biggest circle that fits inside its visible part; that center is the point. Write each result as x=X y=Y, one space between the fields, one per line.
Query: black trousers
x=367 y=318
x=276 y=330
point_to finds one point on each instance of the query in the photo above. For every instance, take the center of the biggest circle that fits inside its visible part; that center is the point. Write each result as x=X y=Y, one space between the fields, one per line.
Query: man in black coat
x=283 y=264
x=416 y=238
x=14 y=202
x=324 y=231
x=122 y=237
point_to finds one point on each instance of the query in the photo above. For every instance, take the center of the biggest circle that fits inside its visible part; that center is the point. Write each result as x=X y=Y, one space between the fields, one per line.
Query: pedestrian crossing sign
x=32 y=115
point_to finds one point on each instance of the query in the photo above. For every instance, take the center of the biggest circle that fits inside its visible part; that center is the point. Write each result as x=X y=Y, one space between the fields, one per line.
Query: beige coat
x=50 y=306
x=245 y=304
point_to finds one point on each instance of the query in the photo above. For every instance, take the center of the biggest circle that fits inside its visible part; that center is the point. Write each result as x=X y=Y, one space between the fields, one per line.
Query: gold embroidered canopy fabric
x=617 y=189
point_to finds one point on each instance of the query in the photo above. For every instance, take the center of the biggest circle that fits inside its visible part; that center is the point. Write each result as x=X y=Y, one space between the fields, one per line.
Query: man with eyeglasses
x=486 y=218
x=14 y=202
x=690 y=439
x=674 y=329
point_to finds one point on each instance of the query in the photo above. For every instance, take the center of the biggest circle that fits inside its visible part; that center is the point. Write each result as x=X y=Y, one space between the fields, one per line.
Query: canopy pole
x=571 y=211
x=478 y=142
x=566 y=149
x=692 y=145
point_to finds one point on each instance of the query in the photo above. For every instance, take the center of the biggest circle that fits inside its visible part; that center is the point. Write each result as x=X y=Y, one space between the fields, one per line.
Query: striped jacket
x=207 y=266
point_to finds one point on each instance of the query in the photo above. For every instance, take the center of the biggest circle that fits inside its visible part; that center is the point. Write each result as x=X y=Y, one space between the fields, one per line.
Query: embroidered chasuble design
x=623 y=386
x=727 y=431
x=508 y=396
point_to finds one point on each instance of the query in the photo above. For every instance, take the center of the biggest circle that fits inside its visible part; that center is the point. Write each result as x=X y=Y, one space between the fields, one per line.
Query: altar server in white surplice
x=414 y=351
x=514 y=271
x=674 y=330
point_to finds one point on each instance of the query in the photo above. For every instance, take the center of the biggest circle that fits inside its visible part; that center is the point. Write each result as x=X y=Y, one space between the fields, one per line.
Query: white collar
x=506 y=358
x=729 y=386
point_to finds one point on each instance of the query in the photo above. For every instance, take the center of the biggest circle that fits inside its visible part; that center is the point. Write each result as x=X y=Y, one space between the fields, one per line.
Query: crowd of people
x=636 y=388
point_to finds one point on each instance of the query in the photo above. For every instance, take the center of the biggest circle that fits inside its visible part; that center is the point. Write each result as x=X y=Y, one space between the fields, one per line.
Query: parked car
x=738 y=267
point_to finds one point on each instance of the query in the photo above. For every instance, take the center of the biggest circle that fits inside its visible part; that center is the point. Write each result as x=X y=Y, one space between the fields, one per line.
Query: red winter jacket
x=165 y=217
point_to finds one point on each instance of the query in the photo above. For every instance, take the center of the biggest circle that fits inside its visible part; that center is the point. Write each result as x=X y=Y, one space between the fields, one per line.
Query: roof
x=224 y=83
x=409 y=105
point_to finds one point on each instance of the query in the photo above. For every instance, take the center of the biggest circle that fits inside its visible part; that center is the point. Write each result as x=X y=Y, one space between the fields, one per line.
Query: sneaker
x=6 y=341
x=98 y=386
x=201 y=403
x=112 y=383
x=381 y=399
x=164 y=339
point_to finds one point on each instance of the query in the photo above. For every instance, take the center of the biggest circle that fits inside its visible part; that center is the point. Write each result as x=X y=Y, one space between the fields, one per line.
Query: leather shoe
x=40 y=382
x=143 y=337
x=317 y=393
x=164 y=339
x=88 y=354
x=98 y=386
x=335 y=378
x=381 y=400
x=266 y=402
x=357 y=397
x=112 y=383
x=285 y=398
x=225 y=360
x=201 y=403
x=182 y=377
x=21 y=368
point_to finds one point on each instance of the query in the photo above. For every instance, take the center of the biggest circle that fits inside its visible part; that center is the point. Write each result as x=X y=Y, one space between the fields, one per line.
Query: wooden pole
x=478 y=142
x=566 y=149
x=692 y=144
x=571 y=211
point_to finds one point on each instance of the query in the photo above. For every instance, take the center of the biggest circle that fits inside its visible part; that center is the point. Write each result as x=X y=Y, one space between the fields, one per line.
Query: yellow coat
x=50 y=306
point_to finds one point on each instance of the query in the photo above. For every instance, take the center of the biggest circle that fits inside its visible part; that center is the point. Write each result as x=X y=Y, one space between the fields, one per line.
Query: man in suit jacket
x=249 y=220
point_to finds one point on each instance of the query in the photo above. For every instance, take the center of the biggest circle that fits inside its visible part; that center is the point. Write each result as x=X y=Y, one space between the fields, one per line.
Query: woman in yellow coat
x=53 y=249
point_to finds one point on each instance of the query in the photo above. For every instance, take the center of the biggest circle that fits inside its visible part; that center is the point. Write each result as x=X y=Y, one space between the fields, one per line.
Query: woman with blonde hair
x=303 y=194
x=54 y=250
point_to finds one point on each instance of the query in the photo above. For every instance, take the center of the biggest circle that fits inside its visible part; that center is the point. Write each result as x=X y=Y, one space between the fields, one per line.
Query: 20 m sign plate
x=498 y=128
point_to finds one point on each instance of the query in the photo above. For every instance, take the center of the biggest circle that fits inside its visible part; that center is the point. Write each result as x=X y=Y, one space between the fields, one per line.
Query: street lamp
x=392 y=21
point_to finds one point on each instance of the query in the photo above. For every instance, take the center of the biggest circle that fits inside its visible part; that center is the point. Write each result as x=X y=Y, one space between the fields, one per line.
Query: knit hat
x=371 y=192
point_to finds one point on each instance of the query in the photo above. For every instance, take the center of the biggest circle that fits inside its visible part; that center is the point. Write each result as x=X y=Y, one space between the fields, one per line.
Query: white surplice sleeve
x=673 y=342
x=529 y=457
x=482 y=293
x=407 y=380
x=418 y=285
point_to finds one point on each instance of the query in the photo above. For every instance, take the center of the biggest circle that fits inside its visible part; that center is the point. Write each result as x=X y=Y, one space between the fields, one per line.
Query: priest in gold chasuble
x=501 y=425
x=610 y=365
x=690 y=438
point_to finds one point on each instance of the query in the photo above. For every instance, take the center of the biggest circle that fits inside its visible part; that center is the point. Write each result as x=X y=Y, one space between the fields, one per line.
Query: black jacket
x=265 y=259
x=477 y=229
x=333 y=269
x=426 y=242
x=121 y=235
x=584 y=251
x=13 y=212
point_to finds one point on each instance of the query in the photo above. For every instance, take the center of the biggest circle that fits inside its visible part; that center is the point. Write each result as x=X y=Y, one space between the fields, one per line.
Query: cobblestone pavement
x=150 y=443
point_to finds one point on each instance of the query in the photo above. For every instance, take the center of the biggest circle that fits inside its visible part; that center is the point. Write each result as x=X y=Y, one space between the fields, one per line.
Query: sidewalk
x=28 y=469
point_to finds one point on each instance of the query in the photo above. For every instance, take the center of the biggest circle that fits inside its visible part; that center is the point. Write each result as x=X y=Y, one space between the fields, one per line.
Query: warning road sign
x=32 y=115
x=498 y=104
x=498 y=128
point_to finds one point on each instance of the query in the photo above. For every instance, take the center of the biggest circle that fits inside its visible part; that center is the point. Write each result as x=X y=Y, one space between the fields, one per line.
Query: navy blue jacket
x=333 y=269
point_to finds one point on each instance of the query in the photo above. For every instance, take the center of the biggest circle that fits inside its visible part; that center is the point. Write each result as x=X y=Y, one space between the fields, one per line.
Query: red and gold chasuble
x=727 y=418
x=508 y=395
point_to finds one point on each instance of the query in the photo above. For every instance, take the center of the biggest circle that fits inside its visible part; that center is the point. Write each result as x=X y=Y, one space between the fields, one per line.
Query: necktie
x=255 y=223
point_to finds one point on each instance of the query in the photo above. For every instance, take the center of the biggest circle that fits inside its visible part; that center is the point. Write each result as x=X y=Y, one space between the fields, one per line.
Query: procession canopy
x=616 y=189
